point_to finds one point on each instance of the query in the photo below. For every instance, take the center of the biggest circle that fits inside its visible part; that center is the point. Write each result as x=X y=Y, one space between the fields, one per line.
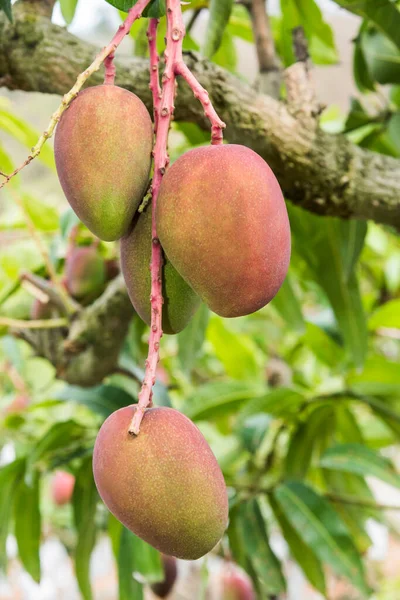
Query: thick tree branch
x=88 y=350
x=320 y=172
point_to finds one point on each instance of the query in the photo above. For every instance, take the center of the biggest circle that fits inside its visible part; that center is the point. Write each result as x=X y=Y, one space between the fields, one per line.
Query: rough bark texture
x=318 y=171
x=88 y=351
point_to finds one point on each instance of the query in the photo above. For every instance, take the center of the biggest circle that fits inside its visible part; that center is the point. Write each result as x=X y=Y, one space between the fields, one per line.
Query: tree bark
x=320 y=172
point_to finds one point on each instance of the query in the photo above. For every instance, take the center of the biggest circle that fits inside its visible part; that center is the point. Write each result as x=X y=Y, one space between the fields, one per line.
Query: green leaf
x=302 y=553
x=383 y=13
x=43 y=215
x=84 y=502
x=190 y=340
x=240 y=24
x=387 y=315
x=135 y=558
x=68 y=8
x=220 y=398
x=362 y=78
x=361 y=460
x=319 y=34
x=302 y=443
x=25 y=134
x=155 y=9
x=220 y=12
x=288 y=306
x=226 y=55
x=330 y=241
x=10 y=475
x=68 y=221
x=281 y=402
x=253 y=537
x=102 y=399
x=355 y=517
x=61 y=436
x=238 y=353
x=379 y=377
x=382 y=56
x=323 y=345
x=321 y=529
x=28 y=524
x=6 y=6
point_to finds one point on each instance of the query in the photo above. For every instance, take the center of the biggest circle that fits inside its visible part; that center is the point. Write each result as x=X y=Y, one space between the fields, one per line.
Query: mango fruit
x=164 y=587
x=85 y=273
x=103 y=146
x=180 y=301
x=164 y=484
x=62 y=487
x=222 y=222
x=236 y=585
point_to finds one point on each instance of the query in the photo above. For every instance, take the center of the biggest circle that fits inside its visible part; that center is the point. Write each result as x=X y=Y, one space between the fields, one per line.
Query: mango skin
x=165 y=484
x=180 y=301
x=222 y=221
x=102 y=147
x=85 y=273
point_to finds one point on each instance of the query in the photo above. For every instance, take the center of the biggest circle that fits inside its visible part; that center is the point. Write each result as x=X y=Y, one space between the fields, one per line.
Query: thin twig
x=36 y=324
x=64 y=302
x=133 y=14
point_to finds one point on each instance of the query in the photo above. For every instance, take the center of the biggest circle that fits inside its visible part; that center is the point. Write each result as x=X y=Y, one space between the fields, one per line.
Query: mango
x=85 y=273
x=222 y=221
x=162 y=588
x=103 y=146
x=164 y=484
x=180 y=301
x=236 y=585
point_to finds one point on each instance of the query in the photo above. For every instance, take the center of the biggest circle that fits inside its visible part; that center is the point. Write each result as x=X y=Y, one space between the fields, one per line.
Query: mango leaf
x=347 y=485
x=220 y=12
x=28 y=524
x=135 y=559
x=387 y=315
x=383 y=13
x=226 y=55
x=10 y=475
x=330 y=241
x=302 y=553
x=68 y=8
x=382 y=56
x=238 y=353
x=319 y=34
x=281 y=402
x=323 y=345
x=251 y=535
x=379 y=377
x=220 y=398
x=321 y=529
x=61 y=436
x=303 y=441
x=361 y=460
x=6 y=6
x=190 y=340
x=240 y=24
x=102 y=399
x=44 y=216
x=288 y=306
x=362 y=78
x=155 y=9
x=84 y=502
x=25 y=134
